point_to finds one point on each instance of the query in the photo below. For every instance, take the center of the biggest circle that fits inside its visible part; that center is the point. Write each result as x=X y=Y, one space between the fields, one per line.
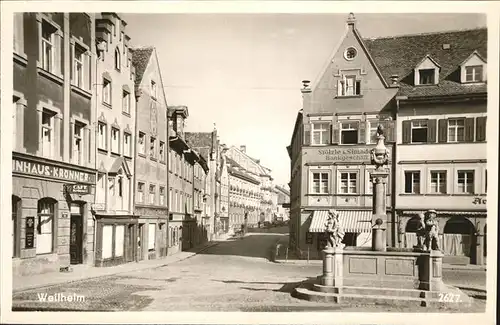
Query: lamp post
x=379 y=177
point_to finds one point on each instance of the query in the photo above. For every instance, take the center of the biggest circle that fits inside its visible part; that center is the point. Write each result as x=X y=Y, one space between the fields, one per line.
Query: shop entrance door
x=76 y=235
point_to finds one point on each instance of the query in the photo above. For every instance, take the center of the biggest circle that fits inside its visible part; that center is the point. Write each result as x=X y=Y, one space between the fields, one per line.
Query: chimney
x=243 y=148
x=305 y=86
x=178 y=116
x=394 y=80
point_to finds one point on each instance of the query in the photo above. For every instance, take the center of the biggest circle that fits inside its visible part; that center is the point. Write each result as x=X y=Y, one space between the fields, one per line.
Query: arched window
x=16 y=205
x=45 y=226
x=118 y=60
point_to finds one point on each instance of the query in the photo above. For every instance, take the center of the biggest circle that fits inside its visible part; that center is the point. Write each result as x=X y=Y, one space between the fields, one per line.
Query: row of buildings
x=103 y=171
x=429 y=91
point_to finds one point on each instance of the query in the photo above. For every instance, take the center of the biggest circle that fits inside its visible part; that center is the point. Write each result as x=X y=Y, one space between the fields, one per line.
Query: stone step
x=356 y=295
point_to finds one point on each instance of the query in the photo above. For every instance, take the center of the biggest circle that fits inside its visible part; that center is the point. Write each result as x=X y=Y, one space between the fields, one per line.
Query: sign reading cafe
x=47 y=170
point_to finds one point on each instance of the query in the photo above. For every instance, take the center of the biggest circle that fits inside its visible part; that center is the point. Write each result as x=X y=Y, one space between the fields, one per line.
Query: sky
x=243 y=72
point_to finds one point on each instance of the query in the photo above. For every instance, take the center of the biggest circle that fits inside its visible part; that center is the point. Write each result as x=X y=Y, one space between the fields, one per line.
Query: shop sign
x=345 y=154
x=47 y=170
x=81 y=189
x=479 y=200
x=30 y=232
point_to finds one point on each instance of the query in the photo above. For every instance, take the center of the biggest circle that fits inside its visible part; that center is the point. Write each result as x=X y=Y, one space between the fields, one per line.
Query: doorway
x=140 y=242
x=130 y=244
x=76 y=234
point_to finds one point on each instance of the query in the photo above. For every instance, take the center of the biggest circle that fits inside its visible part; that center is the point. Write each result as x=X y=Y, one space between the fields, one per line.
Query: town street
x=235 y=275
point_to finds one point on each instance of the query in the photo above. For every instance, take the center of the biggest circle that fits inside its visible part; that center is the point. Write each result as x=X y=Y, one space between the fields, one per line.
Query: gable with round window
x=350 y=53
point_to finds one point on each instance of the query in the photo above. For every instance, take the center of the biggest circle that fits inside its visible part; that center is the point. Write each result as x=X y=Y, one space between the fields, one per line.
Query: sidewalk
x=83 y=272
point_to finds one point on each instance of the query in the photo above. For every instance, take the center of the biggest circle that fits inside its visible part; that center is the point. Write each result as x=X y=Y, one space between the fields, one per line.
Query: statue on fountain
x=333 y=230
x=431 y=241
x=380 y=154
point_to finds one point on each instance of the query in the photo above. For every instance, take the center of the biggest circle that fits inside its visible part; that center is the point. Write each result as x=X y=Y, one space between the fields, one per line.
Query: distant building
x=116 y=113
x=224 y=191
x=53 y=156
x=151 y=170
x=283 y=203
x=429 y=93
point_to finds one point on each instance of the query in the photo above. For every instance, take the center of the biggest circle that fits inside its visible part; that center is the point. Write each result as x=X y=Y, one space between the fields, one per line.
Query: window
x=101 y=188
x=349 y=133
x=126 y=102
x=348 y=183
x=350 y=53
x=48 y=133
x=320 y=132
x=153 y=89
x=426 y=76
x=120 y=186
x=412 y=182
x=78 y=143
x=162 y=195
x=102 y=136
x=78 y=66
x=140 y=192
x=152 y=194
x=438 y=182
x=320 y=183
x=117 y=59
x=45 y=226
x=474 y=73
x=48 y=46
x=373 y=132
x=161 y=152
x=127 y=144
x=465 y=181
x=151 y=236
x=152 y=149
x=142 y=143
x=115 y=140
x=456 y=130
x=106 y=91
x=419 y=131
x=350 y=86
x=111 y=186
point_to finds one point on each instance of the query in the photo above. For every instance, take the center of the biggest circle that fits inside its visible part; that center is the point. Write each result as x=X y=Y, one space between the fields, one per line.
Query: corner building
x=330 y=147
x=53 y=161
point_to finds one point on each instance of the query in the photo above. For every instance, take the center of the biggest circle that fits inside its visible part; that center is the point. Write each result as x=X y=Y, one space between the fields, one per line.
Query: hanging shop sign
x=80 y=189
x=30 y=232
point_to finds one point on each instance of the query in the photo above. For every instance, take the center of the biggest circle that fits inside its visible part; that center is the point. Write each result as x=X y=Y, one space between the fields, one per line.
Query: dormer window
x=427 y=76
x=427 y=72
x=474 y=73
x=473 y=69
x=349 y=86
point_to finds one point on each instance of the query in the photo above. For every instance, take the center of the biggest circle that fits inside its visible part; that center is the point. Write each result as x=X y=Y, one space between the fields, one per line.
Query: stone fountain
x=381 y=274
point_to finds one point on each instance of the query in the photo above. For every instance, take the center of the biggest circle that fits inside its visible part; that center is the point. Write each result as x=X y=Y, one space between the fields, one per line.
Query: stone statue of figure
x=380 y=154
x=421 y=231
x=431 y=231
x=333 y=229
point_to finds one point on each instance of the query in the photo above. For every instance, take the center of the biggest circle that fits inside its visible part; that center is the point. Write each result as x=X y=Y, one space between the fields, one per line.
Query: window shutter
x=406 y=131
x=334 y=132
x=469 y=129
x=431 y=131
x=307 y=134
x=339 y=88
x=443 y=130
x=389 y=131
x=362 y=132
x=481 y=128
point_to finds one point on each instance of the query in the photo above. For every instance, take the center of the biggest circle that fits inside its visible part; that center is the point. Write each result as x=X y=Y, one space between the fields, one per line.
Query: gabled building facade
x=53 y=161
x=151 y=206
x=441 y=145
x=331 y=143
x=429 y=93
x=113 y=209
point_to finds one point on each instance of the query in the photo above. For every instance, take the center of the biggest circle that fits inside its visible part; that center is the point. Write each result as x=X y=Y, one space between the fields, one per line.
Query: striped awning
x=351 y=220
x=416 y=212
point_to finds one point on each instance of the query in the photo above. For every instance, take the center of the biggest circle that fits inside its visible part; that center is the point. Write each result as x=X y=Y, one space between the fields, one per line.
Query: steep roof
x=242 y=175
x=399 y=55
x=282 y=189
x=140 y=60
x=202 y=141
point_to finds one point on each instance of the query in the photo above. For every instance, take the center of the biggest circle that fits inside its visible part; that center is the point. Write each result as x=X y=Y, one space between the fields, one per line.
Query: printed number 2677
x=449 y=297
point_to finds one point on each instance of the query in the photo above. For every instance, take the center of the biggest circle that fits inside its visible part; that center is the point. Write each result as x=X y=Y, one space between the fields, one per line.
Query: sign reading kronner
x=346 y=154
x=41 y=169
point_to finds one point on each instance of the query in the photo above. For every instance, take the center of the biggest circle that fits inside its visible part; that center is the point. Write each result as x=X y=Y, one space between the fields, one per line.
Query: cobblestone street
x=235 y=275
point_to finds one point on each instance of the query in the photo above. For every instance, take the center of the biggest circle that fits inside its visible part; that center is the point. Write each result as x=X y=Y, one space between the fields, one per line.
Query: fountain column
x=379 y=177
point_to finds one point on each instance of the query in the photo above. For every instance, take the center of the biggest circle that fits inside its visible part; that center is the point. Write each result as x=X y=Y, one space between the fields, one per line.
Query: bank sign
x=51 y=171
x=344 y=154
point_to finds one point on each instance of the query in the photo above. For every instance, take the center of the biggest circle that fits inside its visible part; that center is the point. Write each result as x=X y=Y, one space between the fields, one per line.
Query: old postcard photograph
x=277 y=162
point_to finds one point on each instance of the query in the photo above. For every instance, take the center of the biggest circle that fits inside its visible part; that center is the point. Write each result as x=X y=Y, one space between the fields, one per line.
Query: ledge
x=81 y=92
x=50 y=76
x=20 y=58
